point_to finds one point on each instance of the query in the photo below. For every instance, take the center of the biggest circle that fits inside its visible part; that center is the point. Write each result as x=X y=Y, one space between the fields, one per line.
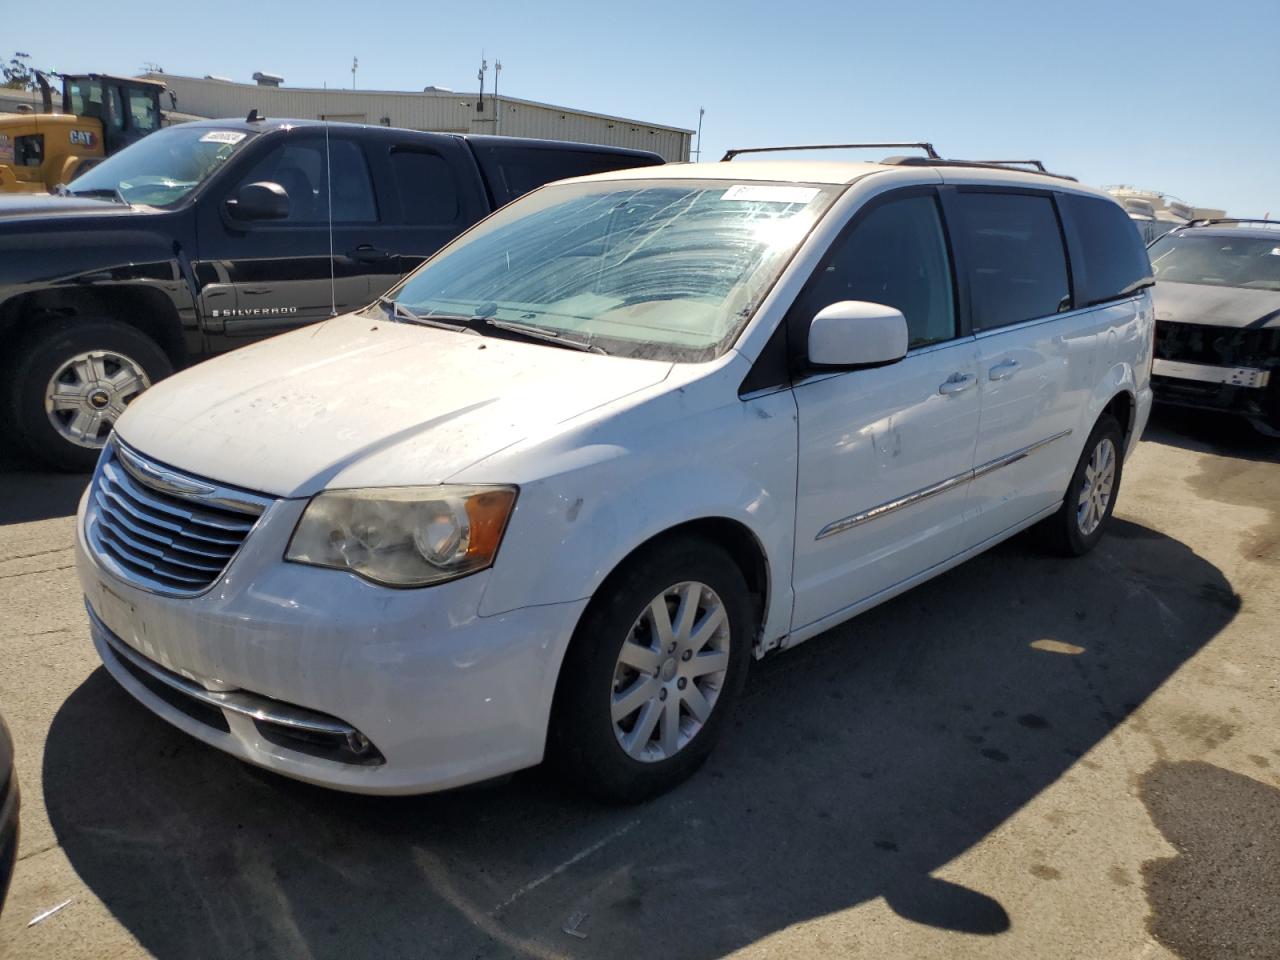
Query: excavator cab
x=100 y=115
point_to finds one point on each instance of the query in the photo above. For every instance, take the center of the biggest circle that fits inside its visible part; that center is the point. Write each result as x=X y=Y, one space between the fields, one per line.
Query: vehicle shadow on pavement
x=27 y=494
x=1205 y=431
x=859 y=764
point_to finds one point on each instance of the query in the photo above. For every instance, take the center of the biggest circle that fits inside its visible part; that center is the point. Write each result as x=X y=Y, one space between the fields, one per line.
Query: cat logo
x=83 y=138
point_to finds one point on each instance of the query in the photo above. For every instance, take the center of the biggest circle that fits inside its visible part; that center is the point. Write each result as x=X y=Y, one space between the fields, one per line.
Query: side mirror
x=854 y=333
x=259 y=201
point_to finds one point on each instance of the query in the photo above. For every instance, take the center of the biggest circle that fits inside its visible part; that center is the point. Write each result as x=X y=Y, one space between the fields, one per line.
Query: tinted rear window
x=513 y=171
x=427 y=186
x=1014 y=257
x=1115 y=261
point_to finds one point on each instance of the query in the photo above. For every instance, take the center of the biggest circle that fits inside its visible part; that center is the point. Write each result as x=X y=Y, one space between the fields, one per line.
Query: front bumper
x=1250 y=392
x=443 y=695
x=1206 y=373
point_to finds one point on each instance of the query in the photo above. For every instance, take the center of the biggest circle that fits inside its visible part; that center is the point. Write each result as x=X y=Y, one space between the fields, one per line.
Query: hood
x=356 y=401
x=29 y=206
x=1216 y=306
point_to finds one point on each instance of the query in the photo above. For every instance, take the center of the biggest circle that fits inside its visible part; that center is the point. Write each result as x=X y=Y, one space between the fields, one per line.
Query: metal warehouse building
x=432 y=109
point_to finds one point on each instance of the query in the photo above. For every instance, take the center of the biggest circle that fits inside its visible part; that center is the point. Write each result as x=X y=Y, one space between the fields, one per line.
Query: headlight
x=404 y=536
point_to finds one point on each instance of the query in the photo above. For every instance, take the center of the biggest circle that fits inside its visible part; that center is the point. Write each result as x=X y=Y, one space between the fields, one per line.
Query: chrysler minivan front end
x=356 y=554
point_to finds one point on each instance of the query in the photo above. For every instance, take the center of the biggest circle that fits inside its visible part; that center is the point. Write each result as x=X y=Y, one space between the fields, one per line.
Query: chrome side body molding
x=880 y=510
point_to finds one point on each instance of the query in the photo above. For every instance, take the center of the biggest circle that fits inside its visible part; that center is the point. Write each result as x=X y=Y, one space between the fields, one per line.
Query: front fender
x=103 y=266
x=605 y=497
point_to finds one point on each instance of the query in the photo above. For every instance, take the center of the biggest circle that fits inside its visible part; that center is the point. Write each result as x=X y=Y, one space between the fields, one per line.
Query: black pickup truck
x=205 y=236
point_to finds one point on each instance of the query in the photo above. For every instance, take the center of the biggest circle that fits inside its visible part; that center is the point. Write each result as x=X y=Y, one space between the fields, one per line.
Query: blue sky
x=1171 y=95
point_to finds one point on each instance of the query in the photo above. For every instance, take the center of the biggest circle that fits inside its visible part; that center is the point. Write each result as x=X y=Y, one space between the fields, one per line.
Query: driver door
x=280 y=271
x=884 y=453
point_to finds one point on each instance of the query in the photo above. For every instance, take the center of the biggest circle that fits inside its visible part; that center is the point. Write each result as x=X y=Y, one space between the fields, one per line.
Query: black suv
x=205 y=236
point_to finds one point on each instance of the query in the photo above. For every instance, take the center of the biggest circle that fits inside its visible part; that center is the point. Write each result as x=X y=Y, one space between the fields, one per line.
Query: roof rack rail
x=1036 y=164
x=1210 y=221
x=980 y=164
x=930 y=153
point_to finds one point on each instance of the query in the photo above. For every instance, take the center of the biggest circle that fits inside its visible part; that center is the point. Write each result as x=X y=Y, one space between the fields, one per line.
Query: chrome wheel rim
x=670 y=672
x=1095 y=494
x=88 y=393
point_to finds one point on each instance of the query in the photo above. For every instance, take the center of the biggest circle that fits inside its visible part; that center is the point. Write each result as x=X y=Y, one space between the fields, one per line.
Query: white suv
x=555 y=492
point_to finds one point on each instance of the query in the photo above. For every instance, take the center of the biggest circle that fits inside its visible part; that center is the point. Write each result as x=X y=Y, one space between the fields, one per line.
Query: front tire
x=71 y=381
x=1091 y=495
x=654 y=669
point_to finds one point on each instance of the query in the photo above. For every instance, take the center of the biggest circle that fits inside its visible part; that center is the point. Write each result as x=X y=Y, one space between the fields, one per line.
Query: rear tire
x=1091 y=495
x=624 y=754
x=69 y=382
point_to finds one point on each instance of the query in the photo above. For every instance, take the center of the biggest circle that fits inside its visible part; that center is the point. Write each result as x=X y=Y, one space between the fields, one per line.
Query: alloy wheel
x=1095 y=494
x=670 y=672
x=88 y=393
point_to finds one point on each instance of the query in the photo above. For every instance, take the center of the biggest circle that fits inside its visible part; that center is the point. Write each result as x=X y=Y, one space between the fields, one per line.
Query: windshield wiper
x=473 y=324
x=541 y=334
x=110 y=193
x=400 y=312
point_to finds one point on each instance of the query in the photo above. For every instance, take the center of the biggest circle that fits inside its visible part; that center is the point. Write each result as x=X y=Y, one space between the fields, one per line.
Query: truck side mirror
x=259 y=201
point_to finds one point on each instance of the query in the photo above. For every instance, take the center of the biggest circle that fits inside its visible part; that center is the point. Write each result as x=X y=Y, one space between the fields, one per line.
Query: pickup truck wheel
x=72 y=381
x=1091 y=496
x=654 y=668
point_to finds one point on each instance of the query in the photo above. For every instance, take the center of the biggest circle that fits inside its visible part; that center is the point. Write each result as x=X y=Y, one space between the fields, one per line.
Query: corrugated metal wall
x=447 y=112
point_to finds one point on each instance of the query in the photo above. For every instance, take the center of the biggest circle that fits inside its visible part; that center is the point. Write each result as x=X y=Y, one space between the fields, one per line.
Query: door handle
x=368 y=253
x=1004 y=369
x=957 y=383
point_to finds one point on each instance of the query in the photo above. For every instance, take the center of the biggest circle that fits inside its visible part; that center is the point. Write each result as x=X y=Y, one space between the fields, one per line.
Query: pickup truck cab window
x=1015 y=259
x=427 y=186
x=299 y=165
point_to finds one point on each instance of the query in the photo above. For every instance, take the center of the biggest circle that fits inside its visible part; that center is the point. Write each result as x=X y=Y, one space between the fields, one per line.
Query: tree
x=18 y=73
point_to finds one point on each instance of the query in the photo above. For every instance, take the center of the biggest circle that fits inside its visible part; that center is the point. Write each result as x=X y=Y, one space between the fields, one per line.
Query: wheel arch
x=1123 y=407
x=735 y=538
x=146 y=309
x=1115 y=393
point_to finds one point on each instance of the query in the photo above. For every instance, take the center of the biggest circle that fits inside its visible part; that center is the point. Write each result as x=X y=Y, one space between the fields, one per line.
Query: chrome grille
x=161 y=529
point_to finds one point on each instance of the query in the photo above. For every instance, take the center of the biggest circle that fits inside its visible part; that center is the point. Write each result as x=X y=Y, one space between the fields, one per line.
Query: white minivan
x=552 y=494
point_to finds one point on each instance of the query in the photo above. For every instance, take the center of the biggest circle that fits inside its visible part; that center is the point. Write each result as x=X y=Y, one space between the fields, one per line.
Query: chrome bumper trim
x=1205 y=373
x=848 y=523
x=236 y=701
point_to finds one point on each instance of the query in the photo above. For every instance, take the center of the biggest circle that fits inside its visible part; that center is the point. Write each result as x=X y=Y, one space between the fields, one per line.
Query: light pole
x=698 y=153
x=484 y=67
x=355 y=64
x=497 y=104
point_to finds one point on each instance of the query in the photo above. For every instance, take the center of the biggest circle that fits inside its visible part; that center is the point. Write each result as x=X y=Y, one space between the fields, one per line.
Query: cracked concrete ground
x=1027 y=757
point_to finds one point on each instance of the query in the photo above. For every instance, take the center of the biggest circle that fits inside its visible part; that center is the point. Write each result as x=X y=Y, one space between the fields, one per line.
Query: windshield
x=162 y=168
x=1218 y=261
x=666 y=269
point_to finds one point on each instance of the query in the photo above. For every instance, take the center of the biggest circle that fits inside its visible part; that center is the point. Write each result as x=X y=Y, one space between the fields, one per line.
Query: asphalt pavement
x=1026 y=757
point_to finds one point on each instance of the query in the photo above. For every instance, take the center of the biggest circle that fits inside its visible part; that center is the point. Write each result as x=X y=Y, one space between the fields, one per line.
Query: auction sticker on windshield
x=770 y=194
x=223 y=136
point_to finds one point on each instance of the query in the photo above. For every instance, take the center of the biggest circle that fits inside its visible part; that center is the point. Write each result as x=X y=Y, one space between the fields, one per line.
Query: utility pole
x=484 y=67
x=355 y=64
x=698 y=153
x=497 y=104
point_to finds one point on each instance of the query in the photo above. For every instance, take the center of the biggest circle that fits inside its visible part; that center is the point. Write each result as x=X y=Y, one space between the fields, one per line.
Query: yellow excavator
x=100 y=115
